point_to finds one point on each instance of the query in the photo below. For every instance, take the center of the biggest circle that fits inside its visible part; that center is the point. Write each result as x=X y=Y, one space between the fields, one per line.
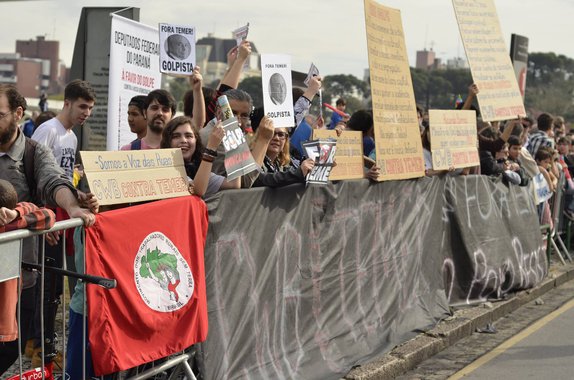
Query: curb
x=463 y=323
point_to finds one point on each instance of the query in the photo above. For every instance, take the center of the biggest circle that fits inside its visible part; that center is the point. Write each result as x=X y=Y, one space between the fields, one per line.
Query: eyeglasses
x=281 y=135
x=3 y=115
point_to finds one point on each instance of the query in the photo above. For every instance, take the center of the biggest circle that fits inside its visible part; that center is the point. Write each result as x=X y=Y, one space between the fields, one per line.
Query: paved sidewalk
x=462 y=324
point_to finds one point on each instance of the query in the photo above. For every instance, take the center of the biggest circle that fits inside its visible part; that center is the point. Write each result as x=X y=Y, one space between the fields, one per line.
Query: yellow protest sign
x=349 y=153
x=135 y=175
x=397 y=136
x=499 y=97
x=453 y=139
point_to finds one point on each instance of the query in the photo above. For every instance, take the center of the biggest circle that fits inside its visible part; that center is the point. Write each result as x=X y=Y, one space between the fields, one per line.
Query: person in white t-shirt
x=57 y=134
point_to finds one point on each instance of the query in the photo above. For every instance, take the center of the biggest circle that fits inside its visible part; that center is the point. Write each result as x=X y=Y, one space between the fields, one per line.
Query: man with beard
x=47 y=184
x=159 y=110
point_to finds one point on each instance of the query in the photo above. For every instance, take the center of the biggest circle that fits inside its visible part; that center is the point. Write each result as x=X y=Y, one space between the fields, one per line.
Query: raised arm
x=201 y=180
x=233 y=75
x=264 y=135
x=302 y=105
x=472 y=92
x=199 y=115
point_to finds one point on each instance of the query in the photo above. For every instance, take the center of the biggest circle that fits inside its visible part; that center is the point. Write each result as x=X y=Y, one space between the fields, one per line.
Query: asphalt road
x=544 y=350
x=535 y=341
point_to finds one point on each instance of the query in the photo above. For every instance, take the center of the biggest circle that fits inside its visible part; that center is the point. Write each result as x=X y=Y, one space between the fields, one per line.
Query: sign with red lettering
x=398 y=145
x=134 y=70
x=238 y=158
x=453 y=139
x=135 y=175
x=499 y=97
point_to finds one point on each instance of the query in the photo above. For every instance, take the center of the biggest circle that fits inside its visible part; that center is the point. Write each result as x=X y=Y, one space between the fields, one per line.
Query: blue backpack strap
x=136 y=144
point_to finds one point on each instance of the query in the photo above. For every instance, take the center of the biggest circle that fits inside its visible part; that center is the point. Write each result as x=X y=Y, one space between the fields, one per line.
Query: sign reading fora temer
x=135 y=176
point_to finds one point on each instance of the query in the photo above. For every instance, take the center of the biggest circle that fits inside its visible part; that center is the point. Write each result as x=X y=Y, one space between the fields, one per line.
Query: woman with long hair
x=179 y=133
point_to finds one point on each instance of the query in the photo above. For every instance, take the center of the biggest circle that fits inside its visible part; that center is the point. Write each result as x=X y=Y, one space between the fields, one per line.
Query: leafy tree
x=178 y=87
x=550 y=85
x=252 y=86
x=354 y=90
x=439 y=88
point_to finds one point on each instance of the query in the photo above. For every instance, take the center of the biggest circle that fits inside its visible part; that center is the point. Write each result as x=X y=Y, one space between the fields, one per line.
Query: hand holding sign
x=306 y=166
x=244 y=50
x=216 y=136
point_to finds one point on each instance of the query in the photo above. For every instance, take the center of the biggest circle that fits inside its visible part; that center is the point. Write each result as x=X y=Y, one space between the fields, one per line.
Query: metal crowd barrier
x=10 y=259
x=173 y=367
x=557 y=205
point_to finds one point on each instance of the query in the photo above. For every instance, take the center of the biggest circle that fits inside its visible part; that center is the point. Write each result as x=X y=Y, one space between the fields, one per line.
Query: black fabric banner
x=305 y=283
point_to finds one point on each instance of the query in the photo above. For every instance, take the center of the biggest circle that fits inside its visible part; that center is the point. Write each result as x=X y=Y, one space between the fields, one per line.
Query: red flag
x=155 y=252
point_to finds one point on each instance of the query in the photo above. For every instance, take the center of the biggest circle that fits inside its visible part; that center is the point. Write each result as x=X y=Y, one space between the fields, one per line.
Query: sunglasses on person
x=281 y=135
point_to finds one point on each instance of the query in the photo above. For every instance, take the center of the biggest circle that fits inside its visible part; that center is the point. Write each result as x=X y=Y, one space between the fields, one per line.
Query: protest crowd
x=41 y=180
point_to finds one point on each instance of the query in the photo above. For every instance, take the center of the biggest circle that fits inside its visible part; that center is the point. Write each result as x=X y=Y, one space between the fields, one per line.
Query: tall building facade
x=54 y=79
x=425 y=59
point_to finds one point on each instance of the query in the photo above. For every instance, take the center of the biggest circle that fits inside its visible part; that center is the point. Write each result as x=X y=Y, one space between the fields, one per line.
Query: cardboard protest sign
x=397 y=135
x=348 y=155
x=453 y=139
x=277 y=84
x=134 y=70
x=240 y=34
x=135 y=175
x=177 y=49
x=238 y=158
x=323 y=152
x=499 y=97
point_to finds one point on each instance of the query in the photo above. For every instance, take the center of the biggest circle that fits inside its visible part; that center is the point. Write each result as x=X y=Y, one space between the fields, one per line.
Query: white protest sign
x=240 y=34
x=313 y=71
x=134 y=70
x=177 y=49
x=542 y=191
x=277 y=95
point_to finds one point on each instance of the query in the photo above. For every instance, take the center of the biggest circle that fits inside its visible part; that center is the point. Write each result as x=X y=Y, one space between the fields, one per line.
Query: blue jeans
x=74 y=348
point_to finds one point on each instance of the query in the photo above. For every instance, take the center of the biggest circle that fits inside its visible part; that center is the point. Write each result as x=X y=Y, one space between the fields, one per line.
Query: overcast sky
x=330 y=33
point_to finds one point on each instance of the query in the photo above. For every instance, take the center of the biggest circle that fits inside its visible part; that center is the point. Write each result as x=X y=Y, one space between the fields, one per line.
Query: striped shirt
x=31 y=217
x=538 y=139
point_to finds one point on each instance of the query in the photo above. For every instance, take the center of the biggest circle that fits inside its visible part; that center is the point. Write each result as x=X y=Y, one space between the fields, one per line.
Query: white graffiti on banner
x=231 y=248
x=496 y=202
x=531 y=266
x=525 y=271
x=371 y=256
x=449 y=273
